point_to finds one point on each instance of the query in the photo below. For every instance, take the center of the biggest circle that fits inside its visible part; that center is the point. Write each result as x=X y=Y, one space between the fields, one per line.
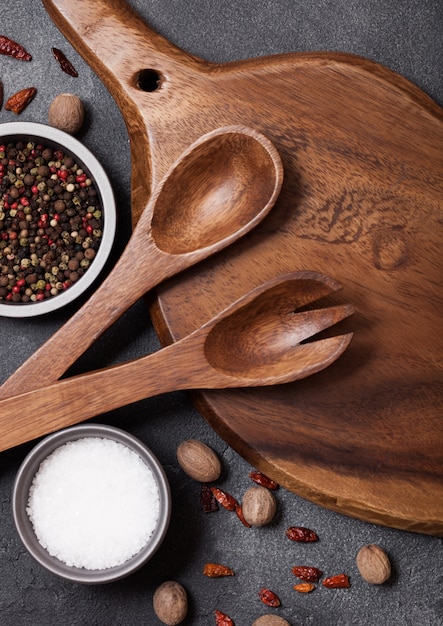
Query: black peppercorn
x=48 y=219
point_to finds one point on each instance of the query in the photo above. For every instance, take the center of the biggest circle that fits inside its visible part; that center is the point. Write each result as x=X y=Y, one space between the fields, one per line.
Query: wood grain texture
x=362 y=201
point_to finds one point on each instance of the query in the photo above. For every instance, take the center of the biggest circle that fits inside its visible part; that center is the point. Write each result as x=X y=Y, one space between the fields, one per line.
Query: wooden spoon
x=256 y=341
x=218 y=189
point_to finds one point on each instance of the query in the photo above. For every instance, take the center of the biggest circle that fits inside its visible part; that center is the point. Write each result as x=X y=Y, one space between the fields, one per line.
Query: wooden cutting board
x=362 y=201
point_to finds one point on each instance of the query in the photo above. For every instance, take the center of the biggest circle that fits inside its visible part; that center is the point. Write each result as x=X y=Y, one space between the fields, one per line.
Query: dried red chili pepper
x=241 y=517
x=310 y=574
x=13 y=49
x=339 y=581
x=221 y=619
x=224 y=498
x=299 y=533
x=20 y=100
x=64 y=62
x=215 y=570
x=269 y=598
x=263 y=480
x=304 y=587
x=207 y=500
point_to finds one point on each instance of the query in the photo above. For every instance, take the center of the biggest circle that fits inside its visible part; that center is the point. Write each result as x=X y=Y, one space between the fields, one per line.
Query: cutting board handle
x=147 y=76
x=113 y=39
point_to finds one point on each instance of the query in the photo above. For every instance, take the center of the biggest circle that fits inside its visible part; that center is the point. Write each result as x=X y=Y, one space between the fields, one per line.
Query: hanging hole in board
x=149 y=80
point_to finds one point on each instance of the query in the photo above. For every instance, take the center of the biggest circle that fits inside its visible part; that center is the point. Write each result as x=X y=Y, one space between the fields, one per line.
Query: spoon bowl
x=218 y=190
x=256 y=341
x=208 y=196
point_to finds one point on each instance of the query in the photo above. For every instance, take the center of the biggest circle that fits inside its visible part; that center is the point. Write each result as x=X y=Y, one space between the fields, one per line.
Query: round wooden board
x=362 y=202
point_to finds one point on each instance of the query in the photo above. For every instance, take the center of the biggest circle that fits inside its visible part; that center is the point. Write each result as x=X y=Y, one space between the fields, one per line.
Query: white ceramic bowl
x=57 y=139
x=20 y=499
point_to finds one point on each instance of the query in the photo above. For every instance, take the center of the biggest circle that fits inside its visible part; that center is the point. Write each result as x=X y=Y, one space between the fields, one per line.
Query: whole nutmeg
x=170 y=603
x=67 y=113
x=270 y=620
x=199 y=461
x=258 y=506
x=373 y=564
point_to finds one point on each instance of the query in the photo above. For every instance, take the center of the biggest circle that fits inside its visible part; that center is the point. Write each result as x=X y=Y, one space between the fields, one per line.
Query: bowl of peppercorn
x=57 y=219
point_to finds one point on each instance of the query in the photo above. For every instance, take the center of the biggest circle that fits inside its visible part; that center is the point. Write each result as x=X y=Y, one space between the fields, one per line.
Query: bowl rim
x=20 y=495
x=57 y=138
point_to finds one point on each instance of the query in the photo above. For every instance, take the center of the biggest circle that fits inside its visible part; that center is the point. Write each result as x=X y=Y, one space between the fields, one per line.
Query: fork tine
x=297 y=291
x=323 y=353
x=305 y=324
x=308 y=359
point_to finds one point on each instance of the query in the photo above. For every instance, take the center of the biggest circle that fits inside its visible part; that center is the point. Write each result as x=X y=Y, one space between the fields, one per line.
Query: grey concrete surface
x=405 y=35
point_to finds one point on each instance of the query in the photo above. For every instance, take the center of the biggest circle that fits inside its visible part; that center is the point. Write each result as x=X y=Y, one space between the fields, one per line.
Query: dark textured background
x=405 y=35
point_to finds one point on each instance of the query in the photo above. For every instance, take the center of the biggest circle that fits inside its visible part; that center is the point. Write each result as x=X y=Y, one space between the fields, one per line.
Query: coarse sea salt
x=93 y=503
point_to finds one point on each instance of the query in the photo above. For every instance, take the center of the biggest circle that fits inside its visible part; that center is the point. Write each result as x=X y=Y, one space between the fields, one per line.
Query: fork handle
x=72 y=400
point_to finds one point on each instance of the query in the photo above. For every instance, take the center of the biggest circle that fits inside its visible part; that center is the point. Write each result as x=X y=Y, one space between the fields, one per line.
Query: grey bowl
x=20 y=496
x=57 y=139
